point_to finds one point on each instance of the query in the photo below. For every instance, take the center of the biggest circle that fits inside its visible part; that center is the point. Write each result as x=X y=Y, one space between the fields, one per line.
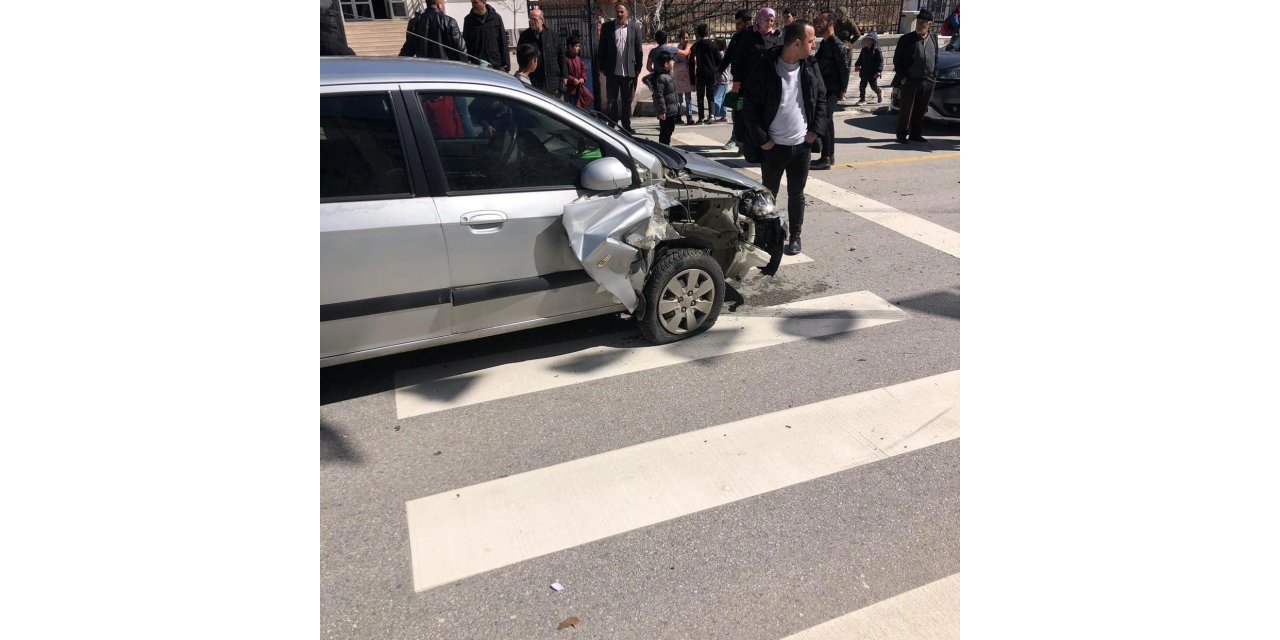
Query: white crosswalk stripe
x=464 y=532
x=466 y=382
x=914 y=227
x=930 y=612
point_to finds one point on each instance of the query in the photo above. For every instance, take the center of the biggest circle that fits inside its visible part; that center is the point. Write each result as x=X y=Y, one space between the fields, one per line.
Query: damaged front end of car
x=618 y=236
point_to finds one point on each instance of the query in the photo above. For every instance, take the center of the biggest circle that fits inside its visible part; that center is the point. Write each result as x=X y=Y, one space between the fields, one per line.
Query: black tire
x=666 y=314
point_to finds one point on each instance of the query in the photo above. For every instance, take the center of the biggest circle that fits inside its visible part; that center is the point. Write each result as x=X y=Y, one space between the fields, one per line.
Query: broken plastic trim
x=607 y=233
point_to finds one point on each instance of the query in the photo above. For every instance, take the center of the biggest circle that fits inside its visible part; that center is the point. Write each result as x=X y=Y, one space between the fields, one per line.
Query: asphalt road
x=822 y=546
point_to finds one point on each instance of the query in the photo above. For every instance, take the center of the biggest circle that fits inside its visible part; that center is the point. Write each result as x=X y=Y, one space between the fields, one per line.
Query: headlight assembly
x=762 y=205
x=950 y=74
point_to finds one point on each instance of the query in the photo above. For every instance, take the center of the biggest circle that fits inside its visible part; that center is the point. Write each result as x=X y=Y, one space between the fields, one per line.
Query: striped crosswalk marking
x=930 y=612
x=464 y=532
x=914 y=227
x=799 y=258
x=466 y=382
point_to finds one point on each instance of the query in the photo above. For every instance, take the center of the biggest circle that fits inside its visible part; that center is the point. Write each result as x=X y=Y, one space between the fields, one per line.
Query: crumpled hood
x=700 y=166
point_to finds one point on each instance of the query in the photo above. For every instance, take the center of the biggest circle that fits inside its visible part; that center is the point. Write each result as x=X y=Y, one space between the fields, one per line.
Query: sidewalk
x=648 y=125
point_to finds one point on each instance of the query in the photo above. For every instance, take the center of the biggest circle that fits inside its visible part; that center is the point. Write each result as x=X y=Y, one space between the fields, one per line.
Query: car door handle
x=482 y=218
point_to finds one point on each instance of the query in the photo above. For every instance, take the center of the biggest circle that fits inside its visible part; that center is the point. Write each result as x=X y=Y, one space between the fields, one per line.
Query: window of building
x=360 y=150
x=373 y=9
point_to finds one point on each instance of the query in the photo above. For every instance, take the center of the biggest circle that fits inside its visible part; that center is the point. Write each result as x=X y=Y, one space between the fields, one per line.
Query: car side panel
x=529 y=244
x=372 y=251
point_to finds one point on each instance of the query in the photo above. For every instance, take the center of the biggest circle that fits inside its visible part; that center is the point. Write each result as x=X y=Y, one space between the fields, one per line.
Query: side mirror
x=606 y=174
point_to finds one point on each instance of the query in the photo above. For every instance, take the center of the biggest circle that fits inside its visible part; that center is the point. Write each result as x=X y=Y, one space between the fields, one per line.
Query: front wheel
x=684 y=294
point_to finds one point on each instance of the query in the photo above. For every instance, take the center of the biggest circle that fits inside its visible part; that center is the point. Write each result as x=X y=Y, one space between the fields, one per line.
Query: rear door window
x=361 y=155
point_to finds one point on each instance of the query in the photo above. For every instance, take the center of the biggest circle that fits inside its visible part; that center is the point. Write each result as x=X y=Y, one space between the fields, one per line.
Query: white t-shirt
x=788 y=126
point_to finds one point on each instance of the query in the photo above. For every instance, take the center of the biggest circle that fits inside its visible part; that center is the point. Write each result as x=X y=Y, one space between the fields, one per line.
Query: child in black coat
x=665 y=99
x=868 y=67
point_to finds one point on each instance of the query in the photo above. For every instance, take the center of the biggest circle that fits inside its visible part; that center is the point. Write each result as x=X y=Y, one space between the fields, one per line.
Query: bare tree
x=516 y=7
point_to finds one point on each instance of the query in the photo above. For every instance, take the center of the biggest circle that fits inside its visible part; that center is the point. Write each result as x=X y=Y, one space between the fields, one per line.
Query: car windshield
x=954 y=45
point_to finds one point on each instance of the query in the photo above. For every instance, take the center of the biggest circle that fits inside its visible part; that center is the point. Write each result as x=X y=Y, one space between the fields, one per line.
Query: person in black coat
x=869 y=67
x=552 y=71
x=915 y=64
x=333 y=38
x=485 y=36
x=706 y=63
x=621 y=62
x=433 y=34
x=785 y=110
x=834 y=67
x=665 y=101
x=741 y=24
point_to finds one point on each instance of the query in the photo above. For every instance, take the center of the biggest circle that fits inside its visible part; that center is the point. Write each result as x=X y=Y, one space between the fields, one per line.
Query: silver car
x=455 y=203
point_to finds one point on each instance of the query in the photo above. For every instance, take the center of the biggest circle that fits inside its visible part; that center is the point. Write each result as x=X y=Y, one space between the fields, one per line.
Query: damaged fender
x=613 y=236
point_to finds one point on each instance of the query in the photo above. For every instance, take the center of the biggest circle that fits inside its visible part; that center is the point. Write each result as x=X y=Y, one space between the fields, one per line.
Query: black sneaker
x=902 y=140
x=917 y=139
x=793 y=247
x=821 y=164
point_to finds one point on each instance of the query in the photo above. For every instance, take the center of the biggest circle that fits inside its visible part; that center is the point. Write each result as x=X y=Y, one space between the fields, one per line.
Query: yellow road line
x=872 y=163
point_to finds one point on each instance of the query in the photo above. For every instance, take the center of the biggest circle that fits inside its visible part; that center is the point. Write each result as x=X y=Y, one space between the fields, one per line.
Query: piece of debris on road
x=571 y=621
x=557 y=586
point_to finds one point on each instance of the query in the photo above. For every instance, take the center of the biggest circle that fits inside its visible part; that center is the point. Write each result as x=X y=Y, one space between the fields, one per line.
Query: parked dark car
x=944 y=104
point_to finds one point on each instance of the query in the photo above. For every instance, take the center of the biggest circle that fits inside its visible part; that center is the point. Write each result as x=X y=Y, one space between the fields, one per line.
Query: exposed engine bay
x=698 y=204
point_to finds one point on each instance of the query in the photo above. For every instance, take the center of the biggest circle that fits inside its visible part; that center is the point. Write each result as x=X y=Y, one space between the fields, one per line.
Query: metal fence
x=673 y=16
x=939 y=8
x=580 y=17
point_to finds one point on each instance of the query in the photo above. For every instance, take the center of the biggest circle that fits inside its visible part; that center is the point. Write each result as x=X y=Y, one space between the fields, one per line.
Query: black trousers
x=862 y=88
x=621 y=90
x=706 y=89
x=829 y=138
x=912 y=106
x=666 y=128
x=794 y=160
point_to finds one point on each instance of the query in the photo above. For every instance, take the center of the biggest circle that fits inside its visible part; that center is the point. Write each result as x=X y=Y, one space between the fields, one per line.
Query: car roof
x=357 y=70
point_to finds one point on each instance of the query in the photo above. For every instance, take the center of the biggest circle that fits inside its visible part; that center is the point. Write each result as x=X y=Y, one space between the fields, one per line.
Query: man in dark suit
x=551 y=72
x=433 y=34
x=621 y=60
x=915 y=64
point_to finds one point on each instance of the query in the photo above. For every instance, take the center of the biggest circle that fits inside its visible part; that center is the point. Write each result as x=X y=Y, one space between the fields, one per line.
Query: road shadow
x=333 y=447
x=938 y=303
x=941 y=137
x=378 y=375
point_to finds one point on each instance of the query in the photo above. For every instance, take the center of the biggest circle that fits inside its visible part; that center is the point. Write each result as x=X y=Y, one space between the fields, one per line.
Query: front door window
x=488 y=142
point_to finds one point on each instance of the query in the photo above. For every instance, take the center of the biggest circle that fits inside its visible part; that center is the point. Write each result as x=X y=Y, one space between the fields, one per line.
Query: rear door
x=384 y=273
x=510 y=165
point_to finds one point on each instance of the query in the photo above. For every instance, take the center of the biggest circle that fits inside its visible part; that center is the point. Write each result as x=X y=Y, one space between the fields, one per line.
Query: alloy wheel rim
x=686 y=301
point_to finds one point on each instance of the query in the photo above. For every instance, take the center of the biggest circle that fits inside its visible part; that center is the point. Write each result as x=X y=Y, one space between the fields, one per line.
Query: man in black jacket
x=785 y=110
x=485 y=36
x=620 y=60
x=915 y=64
x=834 y=68
x=333 y=37
x=433 y=34
x=741 y=22
x=551 y=72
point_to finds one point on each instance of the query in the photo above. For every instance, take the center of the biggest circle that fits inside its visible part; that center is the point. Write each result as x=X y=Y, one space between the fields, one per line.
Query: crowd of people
x=782 y=88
